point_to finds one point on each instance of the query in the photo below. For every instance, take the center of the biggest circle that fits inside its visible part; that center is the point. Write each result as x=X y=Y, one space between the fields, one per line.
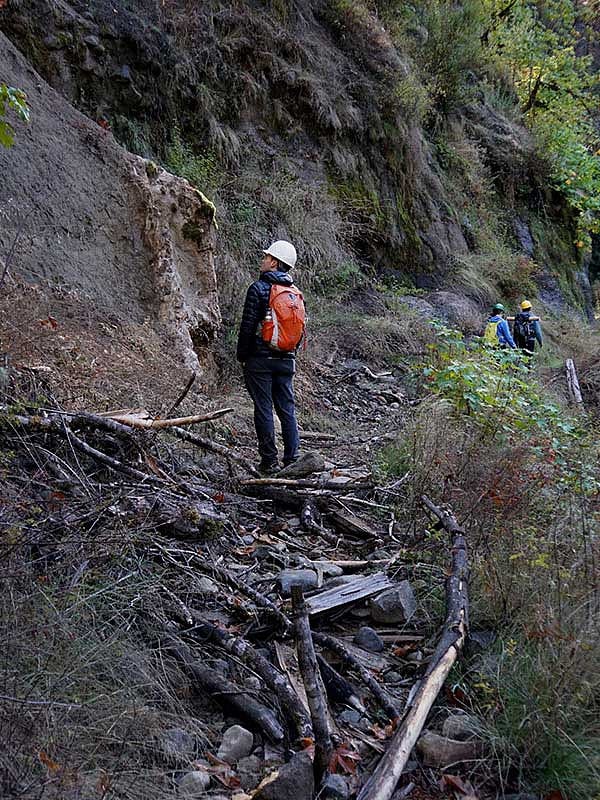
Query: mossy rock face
x=194 y=232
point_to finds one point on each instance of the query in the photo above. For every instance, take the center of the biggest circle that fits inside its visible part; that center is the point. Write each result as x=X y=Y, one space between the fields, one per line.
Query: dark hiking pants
x=269 y=381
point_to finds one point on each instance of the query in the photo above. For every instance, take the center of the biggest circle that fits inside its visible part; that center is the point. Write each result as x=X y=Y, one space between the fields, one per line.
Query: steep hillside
x=312 y=120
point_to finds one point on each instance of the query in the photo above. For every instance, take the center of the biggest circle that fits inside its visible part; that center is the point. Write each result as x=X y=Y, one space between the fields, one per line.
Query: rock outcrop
x=89 y=216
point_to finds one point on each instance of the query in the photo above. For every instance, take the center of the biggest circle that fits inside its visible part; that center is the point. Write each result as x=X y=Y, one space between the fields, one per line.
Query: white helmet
x=284 y=252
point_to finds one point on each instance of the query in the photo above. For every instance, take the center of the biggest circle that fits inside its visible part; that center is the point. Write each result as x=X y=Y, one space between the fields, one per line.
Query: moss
x=193 y=232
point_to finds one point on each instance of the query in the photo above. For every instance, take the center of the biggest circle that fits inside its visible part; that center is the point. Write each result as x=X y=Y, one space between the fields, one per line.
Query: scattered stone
x=305 y=465
x=411 y=766
x=177 y=744
x=334 y=787
x=461 y=727
x=306 y=578
x=350 y=716
x=253 y=684
x=479 y=641
x=221 y=666
x=439 y=751
x=416 y=657
x=95 y=43
x=194 y=784
x=369 y=639
x=205 y=585
x=249 y=772
x=248 y=539
x=294 y=781
x=237 y=743
x=394 y=605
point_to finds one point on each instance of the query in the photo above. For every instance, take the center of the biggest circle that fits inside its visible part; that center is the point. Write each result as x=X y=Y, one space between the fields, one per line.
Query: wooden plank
x=362 y=586
x=353 y=525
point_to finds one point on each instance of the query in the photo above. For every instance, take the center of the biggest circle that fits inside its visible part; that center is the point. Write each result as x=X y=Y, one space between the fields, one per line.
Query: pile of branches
x=82 y=472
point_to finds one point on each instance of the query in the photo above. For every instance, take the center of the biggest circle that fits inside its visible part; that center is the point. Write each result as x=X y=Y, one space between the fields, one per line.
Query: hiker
x=272 y=327
x=527 y=329
x=497 y=333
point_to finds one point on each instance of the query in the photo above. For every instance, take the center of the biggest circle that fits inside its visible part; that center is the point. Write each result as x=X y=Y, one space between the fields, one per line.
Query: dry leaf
x=52 y=766
x=343 y=759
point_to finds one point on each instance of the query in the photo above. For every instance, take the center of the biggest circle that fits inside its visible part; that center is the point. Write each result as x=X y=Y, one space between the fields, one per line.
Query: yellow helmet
x=525 y=305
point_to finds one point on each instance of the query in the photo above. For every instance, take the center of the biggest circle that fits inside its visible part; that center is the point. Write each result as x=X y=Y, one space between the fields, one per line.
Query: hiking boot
x=267 y=468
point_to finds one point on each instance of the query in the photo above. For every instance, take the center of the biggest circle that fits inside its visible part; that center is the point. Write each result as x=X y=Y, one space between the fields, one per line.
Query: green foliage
x=557 y=88
x=16 y=100
x=200 y=169
x=494 y=387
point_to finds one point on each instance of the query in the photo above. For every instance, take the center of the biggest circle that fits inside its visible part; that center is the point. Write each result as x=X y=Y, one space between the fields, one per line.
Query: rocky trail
x=242 y=581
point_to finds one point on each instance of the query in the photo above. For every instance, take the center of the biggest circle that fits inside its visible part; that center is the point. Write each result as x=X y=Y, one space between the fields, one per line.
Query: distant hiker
x=497 y=332
x=271 y=330
x=527 y=329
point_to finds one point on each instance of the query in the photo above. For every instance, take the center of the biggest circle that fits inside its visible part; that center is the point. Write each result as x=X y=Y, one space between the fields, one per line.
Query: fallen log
x=273 y=678
x=383 y=781
x=313 y=683
x=225 y=692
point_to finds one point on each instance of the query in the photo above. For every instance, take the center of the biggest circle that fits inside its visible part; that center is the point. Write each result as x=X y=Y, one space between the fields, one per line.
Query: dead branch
x=214 y=447
x=274 y=679
x=225 y=692
x=315 y=691
x=182 y=396
x=140 y=419
x=383 y=781
x=573 y=383
x=386 y=702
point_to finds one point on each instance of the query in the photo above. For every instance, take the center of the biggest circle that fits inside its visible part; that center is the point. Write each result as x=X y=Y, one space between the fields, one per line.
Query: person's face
x=268 y=263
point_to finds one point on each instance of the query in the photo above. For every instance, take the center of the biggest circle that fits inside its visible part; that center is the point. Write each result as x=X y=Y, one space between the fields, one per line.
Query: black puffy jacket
x=250 y=342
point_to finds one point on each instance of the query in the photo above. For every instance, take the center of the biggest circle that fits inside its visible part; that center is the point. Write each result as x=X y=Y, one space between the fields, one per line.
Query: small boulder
x=305 y=465
x=334 y=787
x=439 y=751
x=394 y=605
x=369 y=639
x=461 y=727
x=306 y=578
x=194 y=784
x=350 y=716
x=177 y=745
x=249 y=771
x=237 y=743
x=293 y=781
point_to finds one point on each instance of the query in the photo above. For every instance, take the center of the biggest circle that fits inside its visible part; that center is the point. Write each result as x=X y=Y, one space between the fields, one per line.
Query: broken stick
x=383 y=781
x=313 y=683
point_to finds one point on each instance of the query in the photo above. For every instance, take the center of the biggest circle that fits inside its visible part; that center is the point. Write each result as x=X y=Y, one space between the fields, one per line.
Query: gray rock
x=205 y=585
x=524 y=237
x=439 y=751
x=95 y=43
x=295 y=781
x=253 y=683
x=194 y=784
x=177 y=744
x=334 y=787
x=306 y=578
x=479 y=641
x=221 y=666
x=248 y=539
x=394 y=605
x=237 y=743
x=461 y=727
x=249 y=771
x=305 y=465
x=350 y=716
x=369 y=639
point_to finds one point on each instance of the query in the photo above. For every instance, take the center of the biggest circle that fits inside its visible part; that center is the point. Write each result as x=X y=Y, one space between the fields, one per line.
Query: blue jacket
x=504 y=336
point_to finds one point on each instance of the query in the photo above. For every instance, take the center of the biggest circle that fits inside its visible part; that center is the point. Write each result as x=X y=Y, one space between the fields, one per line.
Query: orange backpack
x=283 y=327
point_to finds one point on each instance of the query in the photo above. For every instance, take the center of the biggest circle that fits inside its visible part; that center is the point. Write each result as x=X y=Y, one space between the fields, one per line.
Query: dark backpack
x=524 y=330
